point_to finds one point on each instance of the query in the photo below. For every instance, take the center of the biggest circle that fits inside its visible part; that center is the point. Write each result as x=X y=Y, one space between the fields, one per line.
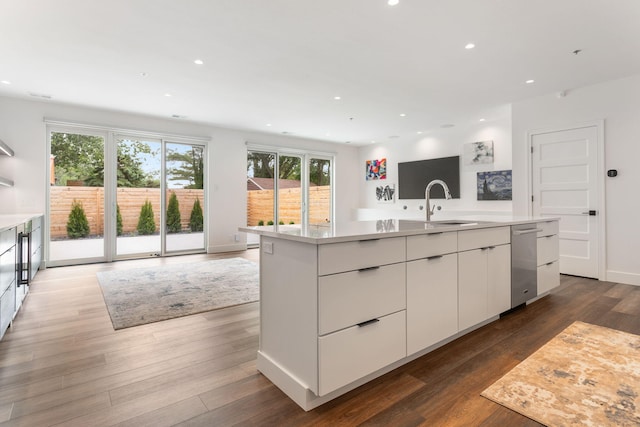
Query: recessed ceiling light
x=469 y=46
x=393 y=2
x=268 y=124
x=337 y=98
x=373 y=142
x=482 y=120
x=327 y=134
x=447 y=125
x=5 y=82
x=168 y=95
x=198 y=62
x=403 y=115
x=419 y=132
x=530 y=81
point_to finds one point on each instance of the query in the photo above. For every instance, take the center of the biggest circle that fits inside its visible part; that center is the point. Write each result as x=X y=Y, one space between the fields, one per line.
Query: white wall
x=618 y=103
x=22 y=127
x=441 y=143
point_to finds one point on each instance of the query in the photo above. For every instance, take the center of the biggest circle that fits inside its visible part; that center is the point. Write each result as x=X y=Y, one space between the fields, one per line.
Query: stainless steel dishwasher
x=524 y=263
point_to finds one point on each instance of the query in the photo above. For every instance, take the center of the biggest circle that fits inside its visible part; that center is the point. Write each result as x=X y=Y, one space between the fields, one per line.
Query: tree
x=320 y=171
x=196 y=221
x=146 y=222
x=262 y=166
x=173 y=215
x=81 y=157
x=190 y=166
x=118 y=220
x=77 y=224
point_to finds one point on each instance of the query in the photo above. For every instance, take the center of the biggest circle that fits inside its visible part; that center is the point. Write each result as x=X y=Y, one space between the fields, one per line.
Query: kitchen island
x=341 y=304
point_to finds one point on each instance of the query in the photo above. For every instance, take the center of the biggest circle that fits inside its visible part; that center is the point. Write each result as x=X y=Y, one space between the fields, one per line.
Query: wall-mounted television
x=413 y=177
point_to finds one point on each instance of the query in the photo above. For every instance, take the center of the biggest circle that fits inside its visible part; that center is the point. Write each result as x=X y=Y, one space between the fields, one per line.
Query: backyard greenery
x=146 y=223
x=77 y=224
x=173 y=214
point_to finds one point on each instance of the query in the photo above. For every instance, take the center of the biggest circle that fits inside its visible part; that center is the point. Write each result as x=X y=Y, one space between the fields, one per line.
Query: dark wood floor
x=62 y=363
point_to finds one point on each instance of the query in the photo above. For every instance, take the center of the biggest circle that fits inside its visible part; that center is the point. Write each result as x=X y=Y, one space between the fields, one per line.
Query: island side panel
x=289 y=309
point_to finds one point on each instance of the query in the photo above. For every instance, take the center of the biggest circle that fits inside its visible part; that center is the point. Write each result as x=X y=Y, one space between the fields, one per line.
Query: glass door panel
x=76 y=197
x=138 y=197
x=260 y=195
x=320 y=209
x=184 y=171
x=289 y=199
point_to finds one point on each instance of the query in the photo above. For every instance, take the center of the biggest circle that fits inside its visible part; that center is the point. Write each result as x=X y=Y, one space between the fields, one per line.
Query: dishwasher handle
x=527 y=231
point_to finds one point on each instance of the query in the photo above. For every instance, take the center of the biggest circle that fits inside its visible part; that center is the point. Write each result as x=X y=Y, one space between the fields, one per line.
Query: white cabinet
x=432 y=301
x=484 y=275
x=7 y=278
x=548 y=256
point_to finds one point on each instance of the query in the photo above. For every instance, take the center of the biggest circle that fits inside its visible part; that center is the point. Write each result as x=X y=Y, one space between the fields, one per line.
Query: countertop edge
x=394 y=233
x=8 y=221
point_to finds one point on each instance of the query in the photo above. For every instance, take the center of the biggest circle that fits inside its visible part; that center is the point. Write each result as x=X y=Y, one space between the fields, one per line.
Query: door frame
x=600 y=181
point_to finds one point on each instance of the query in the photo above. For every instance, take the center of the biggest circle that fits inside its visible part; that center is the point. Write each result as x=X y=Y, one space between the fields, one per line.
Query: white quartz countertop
x=12 y=220
x=376 y=229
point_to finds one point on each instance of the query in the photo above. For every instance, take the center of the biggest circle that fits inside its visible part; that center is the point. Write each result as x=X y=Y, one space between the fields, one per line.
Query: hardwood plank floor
x=62 y=364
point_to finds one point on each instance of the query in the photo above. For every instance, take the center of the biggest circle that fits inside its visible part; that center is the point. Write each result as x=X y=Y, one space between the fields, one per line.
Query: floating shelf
x=6 y=182
x=5 y=149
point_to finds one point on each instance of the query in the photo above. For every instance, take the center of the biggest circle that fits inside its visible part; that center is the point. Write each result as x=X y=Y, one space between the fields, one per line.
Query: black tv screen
x=413 y=177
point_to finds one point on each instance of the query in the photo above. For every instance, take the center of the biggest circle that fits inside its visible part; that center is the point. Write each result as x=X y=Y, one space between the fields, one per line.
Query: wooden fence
x=260 y=205
x=130 y=201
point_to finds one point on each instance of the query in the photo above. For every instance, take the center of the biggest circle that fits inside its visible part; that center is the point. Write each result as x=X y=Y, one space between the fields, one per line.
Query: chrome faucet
x=447 y=195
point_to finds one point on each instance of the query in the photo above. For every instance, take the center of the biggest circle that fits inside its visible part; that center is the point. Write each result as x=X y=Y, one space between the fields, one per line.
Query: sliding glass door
x=301 y=194
x=119 y=196
x=76 y=196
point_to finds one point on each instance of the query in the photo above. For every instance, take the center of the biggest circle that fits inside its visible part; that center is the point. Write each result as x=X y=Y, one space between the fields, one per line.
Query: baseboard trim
x=226 y=248
x=622 y=277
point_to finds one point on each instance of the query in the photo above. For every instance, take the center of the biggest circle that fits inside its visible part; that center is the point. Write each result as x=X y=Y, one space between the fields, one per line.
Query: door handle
x=590 y=213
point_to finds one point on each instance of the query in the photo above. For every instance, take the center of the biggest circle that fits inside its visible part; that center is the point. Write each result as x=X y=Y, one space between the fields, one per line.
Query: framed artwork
x=386 y=193
x=476 y=153
x=376 y=169
x=494 y=185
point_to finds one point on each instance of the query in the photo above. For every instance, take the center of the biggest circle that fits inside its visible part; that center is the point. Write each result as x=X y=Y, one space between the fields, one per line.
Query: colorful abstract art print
x=376 y=169
x=494 y=185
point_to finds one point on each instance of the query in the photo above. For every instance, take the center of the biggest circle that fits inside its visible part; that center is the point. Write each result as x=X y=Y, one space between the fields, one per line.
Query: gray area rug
x=145 y=295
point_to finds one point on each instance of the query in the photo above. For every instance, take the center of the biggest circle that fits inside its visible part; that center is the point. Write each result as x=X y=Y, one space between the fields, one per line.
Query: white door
x=565 y=176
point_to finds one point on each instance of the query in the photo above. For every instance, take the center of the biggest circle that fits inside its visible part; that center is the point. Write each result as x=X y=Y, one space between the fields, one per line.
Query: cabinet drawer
x=7 y=239
x=352 y=353
x=548 y=277
x=7 y=307
x=548 y=228
x=347 y=299
x=434 y=244
x=483 y=237
x=348 y=256
x=7 y=268
x=548 y=249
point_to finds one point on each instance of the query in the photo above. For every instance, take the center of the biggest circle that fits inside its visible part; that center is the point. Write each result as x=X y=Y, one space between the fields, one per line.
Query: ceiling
x=277 y=65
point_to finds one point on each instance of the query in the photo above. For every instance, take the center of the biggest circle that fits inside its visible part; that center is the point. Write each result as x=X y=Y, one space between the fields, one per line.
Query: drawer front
x=36 y=223
x=548 y=277
x=483 y=237
x=347 y=299
x=352 y=353
x=7 y=268
x=347 y=256
x=548 y=228
x=7 y=239
x=548 y=249
x=7 y=307
x=434 y=244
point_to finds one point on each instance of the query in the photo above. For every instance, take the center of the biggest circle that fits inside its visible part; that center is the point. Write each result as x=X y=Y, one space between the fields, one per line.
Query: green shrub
x=281 y=222
x=291 y=222
x=77 y=224
x=173 y=215
x=269 y=222
x=196 y=220
x=261 y=223
x=118 y=220
x=146 y=223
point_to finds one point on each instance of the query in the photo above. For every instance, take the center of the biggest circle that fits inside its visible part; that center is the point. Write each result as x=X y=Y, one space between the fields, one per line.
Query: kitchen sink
x=417 y=224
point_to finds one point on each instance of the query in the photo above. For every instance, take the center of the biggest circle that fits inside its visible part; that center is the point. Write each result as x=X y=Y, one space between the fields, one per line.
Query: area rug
x=586 y=375
x=145 y=295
